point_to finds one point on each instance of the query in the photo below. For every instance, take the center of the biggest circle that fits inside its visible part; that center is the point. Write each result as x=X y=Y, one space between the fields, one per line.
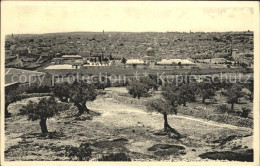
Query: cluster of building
x=150 y=60
x=39 y=50
x=76 y=61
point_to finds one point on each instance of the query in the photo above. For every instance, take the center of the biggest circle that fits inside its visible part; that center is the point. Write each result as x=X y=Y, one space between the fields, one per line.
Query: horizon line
x=131 y=32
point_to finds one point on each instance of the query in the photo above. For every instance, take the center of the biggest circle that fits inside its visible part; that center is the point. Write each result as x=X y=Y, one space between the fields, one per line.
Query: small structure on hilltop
x=150 y=58
x=150 y=51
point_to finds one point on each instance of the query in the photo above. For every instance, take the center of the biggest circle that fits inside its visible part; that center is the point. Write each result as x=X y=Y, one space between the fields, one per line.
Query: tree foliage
x=250 y=87
x=137 y=88
x=245 y=112
x=78 y=92
x=13 y=94
x=206 y=90
x=223 y=108
x=165 y=107
x=150 y=82
x=162 y=106
x=102 y=82
x=182 y=94
x=44 y=109
x=233 y=94
x=62 y=91
x=123 y=60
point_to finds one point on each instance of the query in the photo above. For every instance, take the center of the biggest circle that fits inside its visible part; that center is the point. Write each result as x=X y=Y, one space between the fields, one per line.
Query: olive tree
x=81 y=93
x=137 y=89
x=166 y=108
x=62 y=91
x=140 y=86
x=167 y=105
x=182 y=94
x=233 y=94
x=150 y=82
x=206 y=91
x=42 y=110
x=78 y=92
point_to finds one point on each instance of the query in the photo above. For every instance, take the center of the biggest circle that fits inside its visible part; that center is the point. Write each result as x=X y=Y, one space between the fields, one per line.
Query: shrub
x=245 y=112
x=38 y=89
x=233 y=120
x=83 y=152
x=115 y=157
x=223 y=108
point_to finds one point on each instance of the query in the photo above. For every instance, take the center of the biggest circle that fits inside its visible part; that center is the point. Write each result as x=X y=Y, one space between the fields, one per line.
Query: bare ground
x=121 y=128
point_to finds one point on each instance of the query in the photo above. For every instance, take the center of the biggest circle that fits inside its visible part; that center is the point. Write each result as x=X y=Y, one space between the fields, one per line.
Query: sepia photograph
x=129 y=81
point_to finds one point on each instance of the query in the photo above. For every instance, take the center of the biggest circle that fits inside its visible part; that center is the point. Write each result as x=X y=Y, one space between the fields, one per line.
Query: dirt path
x=109 y=106
x=198 y=133
x=134 y=128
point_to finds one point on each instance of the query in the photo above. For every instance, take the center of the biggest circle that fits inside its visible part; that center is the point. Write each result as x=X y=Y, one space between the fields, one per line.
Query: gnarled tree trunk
x=82 y=108
x=85 y=107
x=168 y=128
x=43 y=125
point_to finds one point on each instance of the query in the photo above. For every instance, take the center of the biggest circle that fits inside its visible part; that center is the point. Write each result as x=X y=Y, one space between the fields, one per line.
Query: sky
x=129 y=16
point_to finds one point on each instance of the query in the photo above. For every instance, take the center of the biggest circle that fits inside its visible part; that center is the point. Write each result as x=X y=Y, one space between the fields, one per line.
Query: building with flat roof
x=176 y=62
x=135 y=63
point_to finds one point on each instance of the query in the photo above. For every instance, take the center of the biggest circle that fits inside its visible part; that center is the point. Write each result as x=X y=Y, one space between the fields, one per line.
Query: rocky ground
x=115 y=127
